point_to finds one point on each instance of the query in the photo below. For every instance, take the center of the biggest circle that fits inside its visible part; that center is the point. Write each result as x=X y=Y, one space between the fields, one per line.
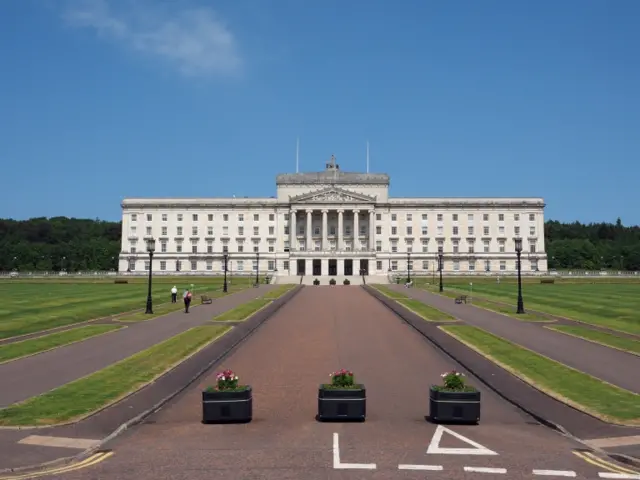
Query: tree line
x=72 y=244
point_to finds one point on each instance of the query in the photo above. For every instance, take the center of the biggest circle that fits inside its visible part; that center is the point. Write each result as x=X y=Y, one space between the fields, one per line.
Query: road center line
x=555 y=473
x=433 y=468
x=485 y=470
x=625 y=476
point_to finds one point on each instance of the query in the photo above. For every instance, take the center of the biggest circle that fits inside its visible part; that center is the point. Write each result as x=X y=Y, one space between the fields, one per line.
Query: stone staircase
x=324 y=279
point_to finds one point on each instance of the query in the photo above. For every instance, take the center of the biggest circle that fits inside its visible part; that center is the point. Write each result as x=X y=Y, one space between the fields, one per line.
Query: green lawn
x=621 y=343
x=426 y=311
x=86 y=395
x=611 y=305
x=13 y=351
x=244 y=311
x=583 y=391
x=33 y=306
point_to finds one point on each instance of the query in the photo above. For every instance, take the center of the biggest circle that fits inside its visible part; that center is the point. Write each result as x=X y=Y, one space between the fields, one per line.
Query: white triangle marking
x=435 y=448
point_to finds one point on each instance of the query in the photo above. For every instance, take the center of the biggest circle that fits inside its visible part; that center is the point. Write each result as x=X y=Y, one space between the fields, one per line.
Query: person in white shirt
x=174 y=295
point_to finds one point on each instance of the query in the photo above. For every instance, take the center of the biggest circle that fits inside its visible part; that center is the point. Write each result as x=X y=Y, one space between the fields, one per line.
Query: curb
x=262 y=316
x=400 y=312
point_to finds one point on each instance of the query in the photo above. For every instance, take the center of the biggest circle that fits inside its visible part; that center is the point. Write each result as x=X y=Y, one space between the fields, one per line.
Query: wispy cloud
x=195 y=40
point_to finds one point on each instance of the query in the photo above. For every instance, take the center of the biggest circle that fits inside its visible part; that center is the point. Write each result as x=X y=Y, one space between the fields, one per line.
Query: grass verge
x=426 y=311
x=26 y=348
x=84 y=396
x=603 y=338
x=279 y=291
x=584 y=392
x=244 y=311
x=389 y=293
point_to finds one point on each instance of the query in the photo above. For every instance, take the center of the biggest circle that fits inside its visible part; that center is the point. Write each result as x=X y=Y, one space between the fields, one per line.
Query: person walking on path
x=174 y=295
x=187 y=300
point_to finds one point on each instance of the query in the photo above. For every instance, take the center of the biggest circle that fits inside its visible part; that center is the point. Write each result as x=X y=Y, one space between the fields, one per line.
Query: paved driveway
x=320 y=330
x=35 y=375
x=613 y=366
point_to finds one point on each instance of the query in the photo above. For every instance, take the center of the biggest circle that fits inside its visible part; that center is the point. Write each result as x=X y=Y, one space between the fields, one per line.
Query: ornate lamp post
x=257 y=268
x=518 y=243
x=408 y=267
x=440 y=266
x=151 y=248
x=225 y=256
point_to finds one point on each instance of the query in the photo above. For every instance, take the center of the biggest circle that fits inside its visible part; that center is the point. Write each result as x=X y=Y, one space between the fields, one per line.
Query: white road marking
x=432 y=468
x=338 y=465
x=435 y=448
x=625 y=476
x=555 y=473
x=60 y=442
x=485 y=470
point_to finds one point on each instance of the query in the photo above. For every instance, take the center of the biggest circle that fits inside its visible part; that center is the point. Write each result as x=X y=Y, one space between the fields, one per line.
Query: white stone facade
x=333 y=223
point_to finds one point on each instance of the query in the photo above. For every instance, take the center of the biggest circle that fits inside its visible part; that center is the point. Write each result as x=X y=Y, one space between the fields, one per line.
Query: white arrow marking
x=338 y=465
x=434 y=446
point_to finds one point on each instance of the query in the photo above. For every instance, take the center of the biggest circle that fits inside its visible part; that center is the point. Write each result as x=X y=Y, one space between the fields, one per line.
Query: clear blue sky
x=101 y=100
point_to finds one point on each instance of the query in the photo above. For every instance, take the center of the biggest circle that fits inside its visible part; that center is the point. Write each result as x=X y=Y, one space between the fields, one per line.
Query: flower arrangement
x=226 y=381
x=342 y=379
x=454 y=381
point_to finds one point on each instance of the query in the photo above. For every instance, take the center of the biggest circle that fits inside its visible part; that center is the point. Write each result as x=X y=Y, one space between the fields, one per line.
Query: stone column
x=340 y=245
x=293 y=239
x=325 y=230
x=309 y=231
x=372 y=230
x=356 y=230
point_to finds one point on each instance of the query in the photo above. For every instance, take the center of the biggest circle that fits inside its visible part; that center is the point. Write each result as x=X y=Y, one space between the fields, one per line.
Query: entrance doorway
x=301 y=266
x=364 y=267
x=348 y=267
x=317 y=268
x=333 y=267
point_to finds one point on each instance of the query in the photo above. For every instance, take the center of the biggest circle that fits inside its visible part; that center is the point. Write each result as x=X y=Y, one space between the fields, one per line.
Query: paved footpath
x=37 y=374
x=320 y=330
x=614 y=366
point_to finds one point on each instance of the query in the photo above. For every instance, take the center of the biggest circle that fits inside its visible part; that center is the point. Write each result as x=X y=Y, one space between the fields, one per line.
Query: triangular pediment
x=333 y=195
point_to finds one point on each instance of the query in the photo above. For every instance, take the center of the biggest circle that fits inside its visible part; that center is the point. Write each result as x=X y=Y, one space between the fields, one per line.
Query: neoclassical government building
x=333 y=223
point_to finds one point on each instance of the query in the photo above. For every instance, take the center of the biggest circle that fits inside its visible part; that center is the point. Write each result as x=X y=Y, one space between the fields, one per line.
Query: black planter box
x=227 y=407
x=454 y=407
x=342 y=405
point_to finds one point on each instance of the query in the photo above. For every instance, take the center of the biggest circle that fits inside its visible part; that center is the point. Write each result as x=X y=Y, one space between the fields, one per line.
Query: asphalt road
x=614 y=366
x=38 y=374
x=323 y=329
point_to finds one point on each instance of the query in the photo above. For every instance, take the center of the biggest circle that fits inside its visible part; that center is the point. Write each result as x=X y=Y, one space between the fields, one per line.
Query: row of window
x=424 y=230
x=195 y=217
x=241 y=265
x=394 y=217
x=471 y=265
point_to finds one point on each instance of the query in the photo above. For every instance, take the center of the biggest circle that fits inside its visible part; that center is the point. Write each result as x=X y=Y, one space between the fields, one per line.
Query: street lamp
x=151 y=247
x=408 y=267
x=440 y=255
x=257 y=268
x=518 y=242
x=225 y=256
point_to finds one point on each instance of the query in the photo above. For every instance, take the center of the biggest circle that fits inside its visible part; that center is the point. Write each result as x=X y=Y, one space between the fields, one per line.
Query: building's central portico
x=332 y=227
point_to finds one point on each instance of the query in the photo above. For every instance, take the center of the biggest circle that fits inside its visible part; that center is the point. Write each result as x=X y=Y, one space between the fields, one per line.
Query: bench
x=206 y=299
x=461 y=299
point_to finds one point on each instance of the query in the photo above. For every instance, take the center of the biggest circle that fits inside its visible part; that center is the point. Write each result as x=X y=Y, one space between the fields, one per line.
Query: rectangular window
x=439 y=217
x=179 y=248
x=194 y=248
x=241 y=217
x=485 y=217
x=163 y=265
x=501 y=247
x=378 y=265
x=378 y=246
x=194 y=231
x=149 y=217
x=164 y=231
x=179 y=231
x=225 y=217
x=485 y=231
x=240 y=265
x=256 y=217
x=209 y=265
x=164 y=217
x=486 y=247
x=425 y=265
x=179 y=217
x=163 y=247
x=194 y=265
x=256 y=231
x=394 y=265
x=272 y=217
x=501 y=217
x=503 y=265
x=132 y=265
x=394 y=217
x=271 y=265
x=210 y=217
x=134 y=217
x=194 y=217
x=455 y=231
x=241 y=231
x=148 y=230
x=285 y=264
x=409 y=230
x=424 y=231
